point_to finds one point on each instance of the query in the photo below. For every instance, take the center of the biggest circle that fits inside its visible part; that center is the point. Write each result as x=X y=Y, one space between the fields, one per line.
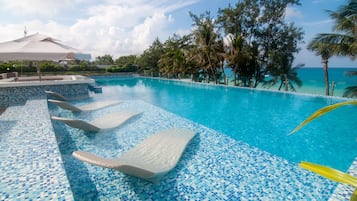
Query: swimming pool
x=260 y=118
x=217 y=165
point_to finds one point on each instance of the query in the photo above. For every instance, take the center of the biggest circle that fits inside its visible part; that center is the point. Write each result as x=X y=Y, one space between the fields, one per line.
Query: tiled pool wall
x=31 y=166
x=18 y=95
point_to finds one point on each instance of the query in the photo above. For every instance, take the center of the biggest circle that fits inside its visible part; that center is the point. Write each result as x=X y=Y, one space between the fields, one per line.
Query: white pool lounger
x=56 y=95
x=84 y=108
x=106 y=122
x=149 y=160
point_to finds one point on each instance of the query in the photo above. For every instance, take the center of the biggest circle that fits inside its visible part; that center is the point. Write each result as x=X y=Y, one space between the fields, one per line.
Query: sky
x=123 y=27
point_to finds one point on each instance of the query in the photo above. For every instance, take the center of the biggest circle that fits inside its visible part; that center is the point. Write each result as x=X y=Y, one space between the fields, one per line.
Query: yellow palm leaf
x=354 y=196
x=321 y=112
x=330 y=173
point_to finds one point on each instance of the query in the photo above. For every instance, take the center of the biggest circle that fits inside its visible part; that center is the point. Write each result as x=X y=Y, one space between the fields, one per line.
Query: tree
x=287 y=77
x=175 y=59
x=279 y=61
x=207 y=41
x=260 y=36
x=104 y=60
x=239 y=24
x=126 y=60
x=352 y=90
x=323 y=50
x=341 y=43
x=150 y=58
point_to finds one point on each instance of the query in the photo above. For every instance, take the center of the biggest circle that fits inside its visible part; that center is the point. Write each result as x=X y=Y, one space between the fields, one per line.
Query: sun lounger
x=151 y=159
x=109 y=121
x=56 y=95
x=83 y=108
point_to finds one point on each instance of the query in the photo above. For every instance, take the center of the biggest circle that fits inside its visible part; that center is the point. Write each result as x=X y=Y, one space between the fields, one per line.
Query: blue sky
x=122 y=27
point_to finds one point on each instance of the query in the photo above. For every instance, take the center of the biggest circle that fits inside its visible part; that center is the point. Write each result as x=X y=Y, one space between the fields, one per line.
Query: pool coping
x=46 y=80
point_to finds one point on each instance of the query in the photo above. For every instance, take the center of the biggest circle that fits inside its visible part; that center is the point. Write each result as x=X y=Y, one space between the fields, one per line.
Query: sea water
x=313 y=80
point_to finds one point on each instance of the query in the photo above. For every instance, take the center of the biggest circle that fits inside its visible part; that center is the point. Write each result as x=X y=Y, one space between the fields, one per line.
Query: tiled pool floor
x=213 y=167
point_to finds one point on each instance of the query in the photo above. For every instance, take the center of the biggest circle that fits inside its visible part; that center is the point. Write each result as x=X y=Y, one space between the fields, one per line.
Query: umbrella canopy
x=38 y=47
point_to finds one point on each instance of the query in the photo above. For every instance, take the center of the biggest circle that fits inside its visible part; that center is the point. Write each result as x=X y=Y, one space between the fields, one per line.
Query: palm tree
x=352 y=90
x=341 y=43
x=324 y=51
x=234 y=52
x=287 y=77
x=208 y=43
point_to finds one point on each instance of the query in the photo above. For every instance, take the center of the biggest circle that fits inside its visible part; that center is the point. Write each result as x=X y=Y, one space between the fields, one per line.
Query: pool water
x=224 y=161
x=260 y=118
x=213 y=166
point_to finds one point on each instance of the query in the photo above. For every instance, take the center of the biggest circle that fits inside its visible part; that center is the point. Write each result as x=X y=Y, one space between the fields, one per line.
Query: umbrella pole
x=38 y=71
x=39 y=74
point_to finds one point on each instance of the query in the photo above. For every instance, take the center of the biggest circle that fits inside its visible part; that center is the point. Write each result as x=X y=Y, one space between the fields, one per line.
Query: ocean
x=314 y=82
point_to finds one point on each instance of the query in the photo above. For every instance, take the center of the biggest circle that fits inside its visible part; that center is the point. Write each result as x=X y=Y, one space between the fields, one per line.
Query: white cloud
x=108 y=27
x=39 y=7
x=293 y=13
x=319 y=23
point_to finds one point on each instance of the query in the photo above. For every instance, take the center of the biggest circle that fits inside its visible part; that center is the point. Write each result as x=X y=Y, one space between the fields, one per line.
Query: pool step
x=95 y=88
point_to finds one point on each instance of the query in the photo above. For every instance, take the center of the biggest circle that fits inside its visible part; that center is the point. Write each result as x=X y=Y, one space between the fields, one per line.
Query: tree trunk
x=324 y=62
x=235 y=76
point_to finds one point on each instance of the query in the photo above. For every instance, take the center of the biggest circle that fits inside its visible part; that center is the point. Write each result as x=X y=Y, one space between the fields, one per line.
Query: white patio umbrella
x=38 y=47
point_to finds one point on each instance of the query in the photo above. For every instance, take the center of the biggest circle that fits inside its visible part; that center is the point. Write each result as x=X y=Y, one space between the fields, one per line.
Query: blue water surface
x=260 y=118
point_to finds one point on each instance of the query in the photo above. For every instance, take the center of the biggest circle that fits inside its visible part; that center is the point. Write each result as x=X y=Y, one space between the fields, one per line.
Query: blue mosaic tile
x=30 y=162
x=213 y=167
x=19 y=95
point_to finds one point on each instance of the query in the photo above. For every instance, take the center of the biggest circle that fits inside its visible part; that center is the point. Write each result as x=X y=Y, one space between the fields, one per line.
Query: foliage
x=150 y=58
x=341 y=43
x=287 y=77
x=125 y=68
x=125 y=60
x=47 y=66
x=104 y=60
x=208 y=44
x=333 y=174
x=330 y=173
x=327 y=172
x=176 y=60
x=259 y=40
x=351 y=91
x=6 y=67
x=321 y=112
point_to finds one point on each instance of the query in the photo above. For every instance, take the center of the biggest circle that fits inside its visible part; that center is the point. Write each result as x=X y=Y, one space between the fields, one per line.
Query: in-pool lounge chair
x=106 y=122
x=149 y=160
x=84 y=108
x=56 y=95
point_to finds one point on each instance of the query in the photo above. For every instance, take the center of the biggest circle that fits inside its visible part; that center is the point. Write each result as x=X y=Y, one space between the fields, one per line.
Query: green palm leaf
x=321 y=112
x=330 y=173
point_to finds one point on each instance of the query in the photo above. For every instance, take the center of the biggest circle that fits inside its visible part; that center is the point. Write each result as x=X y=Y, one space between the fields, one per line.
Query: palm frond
x=330 y=173
x=350 y=92
x=321 y=112
x=351 y=73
